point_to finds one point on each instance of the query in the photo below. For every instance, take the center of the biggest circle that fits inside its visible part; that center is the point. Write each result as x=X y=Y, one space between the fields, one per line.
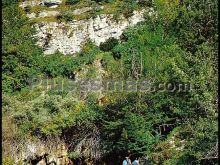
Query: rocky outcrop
x=68 y=38
x=51 y=151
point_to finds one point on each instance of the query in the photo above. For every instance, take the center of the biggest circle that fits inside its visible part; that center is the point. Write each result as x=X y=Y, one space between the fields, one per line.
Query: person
x=135 y=162
x=127 y=161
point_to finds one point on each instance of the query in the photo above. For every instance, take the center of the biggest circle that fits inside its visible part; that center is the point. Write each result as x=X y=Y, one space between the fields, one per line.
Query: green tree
x=19 y=53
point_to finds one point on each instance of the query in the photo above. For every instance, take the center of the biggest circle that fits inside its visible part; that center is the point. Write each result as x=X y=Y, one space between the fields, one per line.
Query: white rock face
x=68 y=38
x=56 y=150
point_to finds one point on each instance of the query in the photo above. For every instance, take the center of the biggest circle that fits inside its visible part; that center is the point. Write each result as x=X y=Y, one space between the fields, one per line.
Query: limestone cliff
x=68 y=37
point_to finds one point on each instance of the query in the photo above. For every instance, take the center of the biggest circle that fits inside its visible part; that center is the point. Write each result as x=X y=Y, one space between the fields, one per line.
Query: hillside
x=93 y=81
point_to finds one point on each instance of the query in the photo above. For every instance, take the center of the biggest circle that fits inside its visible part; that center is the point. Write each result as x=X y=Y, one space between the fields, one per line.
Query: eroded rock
x=68 y=38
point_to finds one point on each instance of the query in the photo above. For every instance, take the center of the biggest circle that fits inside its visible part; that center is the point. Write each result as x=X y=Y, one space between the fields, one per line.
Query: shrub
x=72 y=2
x=116 y=54
x=59 y=65
x=109 y=44
x=27 y=9
x=128 y=12
x=128 y=7
x=145 y=2
x=73 y=155
x=64 y=17
x=8 y=160
x=20 y=54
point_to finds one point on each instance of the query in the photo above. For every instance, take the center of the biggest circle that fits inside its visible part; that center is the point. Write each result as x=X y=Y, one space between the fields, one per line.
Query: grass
x=45 y=19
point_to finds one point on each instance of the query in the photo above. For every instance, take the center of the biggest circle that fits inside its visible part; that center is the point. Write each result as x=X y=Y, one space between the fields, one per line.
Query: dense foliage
x=71 y=2
x=177 y=46
x=19 y=53
x=109 y=44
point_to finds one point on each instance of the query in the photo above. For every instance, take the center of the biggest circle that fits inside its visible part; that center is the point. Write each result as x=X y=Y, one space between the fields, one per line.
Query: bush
x=72 y=2
x=59 y=65
x=116 y=54
x=128 y=7
x=27 y=9
x=64 y=17
x=109 y=44
x=20 y=54
x=128 y=12
x=8 y=160
x=145 y=3
x=196 y=24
